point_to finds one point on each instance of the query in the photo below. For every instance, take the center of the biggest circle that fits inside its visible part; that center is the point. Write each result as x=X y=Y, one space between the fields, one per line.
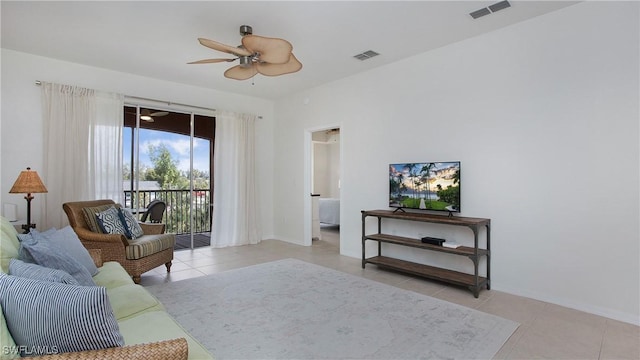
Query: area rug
x=291 y=309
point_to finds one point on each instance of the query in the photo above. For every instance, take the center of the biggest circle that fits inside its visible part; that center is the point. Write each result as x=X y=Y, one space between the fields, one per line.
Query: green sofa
x=141 y=317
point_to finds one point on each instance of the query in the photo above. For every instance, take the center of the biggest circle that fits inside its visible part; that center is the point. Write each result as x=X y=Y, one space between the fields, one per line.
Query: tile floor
x=547 y=331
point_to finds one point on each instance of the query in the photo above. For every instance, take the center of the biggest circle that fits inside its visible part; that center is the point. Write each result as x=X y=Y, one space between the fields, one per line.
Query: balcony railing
x=179 y=204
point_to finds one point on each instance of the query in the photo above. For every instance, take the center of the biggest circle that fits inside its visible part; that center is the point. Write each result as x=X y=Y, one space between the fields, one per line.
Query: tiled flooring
x=547 y=331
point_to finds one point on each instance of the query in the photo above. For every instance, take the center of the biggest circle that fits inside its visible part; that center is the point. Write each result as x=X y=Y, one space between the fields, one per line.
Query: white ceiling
x=157 y=39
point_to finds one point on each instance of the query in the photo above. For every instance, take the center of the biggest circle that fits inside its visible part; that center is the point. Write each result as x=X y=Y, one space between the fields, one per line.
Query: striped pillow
x=37 y=272
x=45 y=317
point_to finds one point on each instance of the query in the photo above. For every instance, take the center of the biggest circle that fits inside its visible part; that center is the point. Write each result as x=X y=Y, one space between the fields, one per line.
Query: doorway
x=325 y=187
x=167 y=157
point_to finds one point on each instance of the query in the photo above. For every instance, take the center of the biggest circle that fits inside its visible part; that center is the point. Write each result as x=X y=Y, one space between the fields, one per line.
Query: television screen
x=425 y=186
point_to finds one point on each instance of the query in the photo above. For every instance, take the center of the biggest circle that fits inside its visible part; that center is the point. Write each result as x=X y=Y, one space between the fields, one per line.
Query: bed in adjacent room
x=329 y=209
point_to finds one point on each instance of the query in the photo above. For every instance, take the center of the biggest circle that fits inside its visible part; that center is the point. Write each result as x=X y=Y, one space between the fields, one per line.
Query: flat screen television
x=425 y=186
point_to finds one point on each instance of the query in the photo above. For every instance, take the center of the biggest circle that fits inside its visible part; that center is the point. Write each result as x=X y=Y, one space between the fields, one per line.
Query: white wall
x=21 y=126
x=326 y=169
x=543 y=116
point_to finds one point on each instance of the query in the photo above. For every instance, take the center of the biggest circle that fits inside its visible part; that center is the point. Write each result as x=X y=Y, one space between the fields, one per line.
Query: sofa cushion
x=46 y=317
x=8 y=348
x=131 y=223
x=9 y=244
x=37 y=272
x=42 y=251
x=148 y=245
x=130 y=300
x=110 y=222
x=89 y=214
x=158 y=325
x=111 y=275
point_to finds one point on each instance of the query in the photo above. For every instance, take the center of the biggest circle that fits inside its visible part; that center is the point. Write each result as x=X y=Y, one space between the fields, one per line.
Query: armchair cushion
x=149 y=245
x=34 y=271
x=52 y=317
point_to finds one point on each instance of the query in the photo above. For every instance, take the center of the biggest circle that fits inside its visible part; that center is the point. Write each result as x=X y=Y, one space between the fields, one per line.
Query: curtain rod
x=38 y=82
x=169 y=103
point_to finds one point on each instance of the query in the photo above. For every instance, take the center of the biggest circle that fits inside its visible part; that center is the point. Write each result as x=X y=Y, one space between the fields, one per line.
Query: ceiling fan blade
x=224 y=48
x=241 y=73
x=272 y=50
x=159 y=113
x=211 y=61
x=291 y=66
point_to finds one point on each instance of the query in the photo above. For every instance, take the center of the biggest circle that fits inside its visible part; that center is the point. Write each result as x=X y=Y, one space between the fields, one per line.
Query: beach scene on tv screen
x=426 y=186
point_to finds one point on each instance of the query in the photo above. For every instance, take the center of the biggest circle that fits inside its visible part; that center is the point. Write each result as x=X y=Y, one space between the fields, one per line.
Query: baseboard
x=595 y=310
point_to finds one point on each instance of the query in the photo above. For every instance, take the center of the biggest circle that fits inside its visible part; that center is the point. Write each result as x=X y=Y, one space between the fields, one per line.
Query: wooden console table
x=473 y=282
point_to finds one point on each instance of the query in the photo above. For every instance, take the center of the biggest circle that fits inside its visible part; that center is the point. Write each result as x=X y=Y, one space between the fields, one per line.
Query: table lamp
x=28 y=182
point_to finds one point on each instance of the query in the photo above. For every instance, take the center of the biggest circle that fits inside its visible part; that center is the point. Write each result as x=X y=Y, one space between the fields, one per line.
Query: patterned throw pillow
x=89 y=214
x=131 y=223
x=110 y=222
x=37 y=272
x=41 y=316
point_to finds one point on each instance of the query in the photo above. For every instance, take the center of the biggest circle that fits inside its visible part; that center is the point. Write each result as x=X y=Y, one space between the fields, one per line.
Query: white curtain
x=82 y=148
x=235 y=203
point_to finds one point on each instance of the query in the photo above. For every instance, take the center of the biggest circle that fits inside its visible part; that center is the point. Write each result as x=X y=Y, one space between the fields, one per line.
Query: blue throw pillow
x=131 y=223
x=110 y=222
x=39 y=249
x=37 y=272
x=46 y=317
x=67 y=240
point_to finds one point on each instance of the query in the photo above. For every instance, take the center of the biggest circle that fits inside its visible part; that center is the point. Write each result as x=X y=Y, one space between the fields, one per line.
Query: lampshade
x=28 y=182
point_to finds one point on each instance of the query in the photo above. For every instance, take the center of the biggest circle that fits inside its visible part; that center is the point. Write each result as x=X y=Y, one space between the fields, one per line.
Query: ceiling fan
x=147 y=115
x=256 y=55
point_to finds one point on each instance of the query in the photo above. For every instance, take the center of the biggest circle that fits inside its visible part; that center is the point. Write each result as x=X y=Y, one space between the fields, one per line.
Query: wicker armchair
x=115 y=246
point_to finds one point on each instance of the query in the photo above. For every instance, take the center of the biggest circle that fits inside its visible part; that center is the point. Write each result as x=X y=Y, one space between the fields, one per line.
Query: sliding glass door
x=168 y=157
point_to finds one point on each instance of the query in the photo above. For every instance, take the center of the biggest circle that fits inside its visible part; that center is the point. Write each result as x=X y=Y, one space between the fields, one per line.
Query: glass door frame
x=135 y=154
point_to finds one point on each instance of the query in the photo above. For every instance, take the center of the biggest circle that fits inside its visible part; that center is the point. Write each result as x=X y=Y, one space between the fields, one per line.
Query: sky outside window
x=178 y=146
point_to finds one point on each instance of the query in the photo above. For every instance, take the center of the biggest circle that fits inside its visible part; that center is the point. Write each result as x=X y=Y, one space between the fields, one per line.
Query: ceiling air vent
x=478 y=13
x=490 y=9
x=366 y=55
x=499 y=6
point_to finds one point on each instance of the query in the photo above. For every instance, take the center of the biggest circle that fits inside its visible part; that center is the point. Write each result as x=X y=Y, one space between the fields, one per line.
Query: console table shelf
x=473 y=281
x=431 y=272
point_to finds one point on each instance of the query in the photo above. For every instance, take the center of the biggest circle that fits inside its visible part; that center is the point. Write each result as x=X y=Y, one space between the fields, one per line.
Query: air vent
x=490 y=9
x=366 y=55
x=478 y=13
x=499 y=6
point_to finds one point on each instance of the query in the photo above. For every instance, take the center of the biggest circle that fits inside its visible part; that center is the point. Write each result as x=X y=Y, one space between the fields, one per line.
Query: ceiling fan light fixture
x=246 y=61
x=246 y=30
x=146 y=118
